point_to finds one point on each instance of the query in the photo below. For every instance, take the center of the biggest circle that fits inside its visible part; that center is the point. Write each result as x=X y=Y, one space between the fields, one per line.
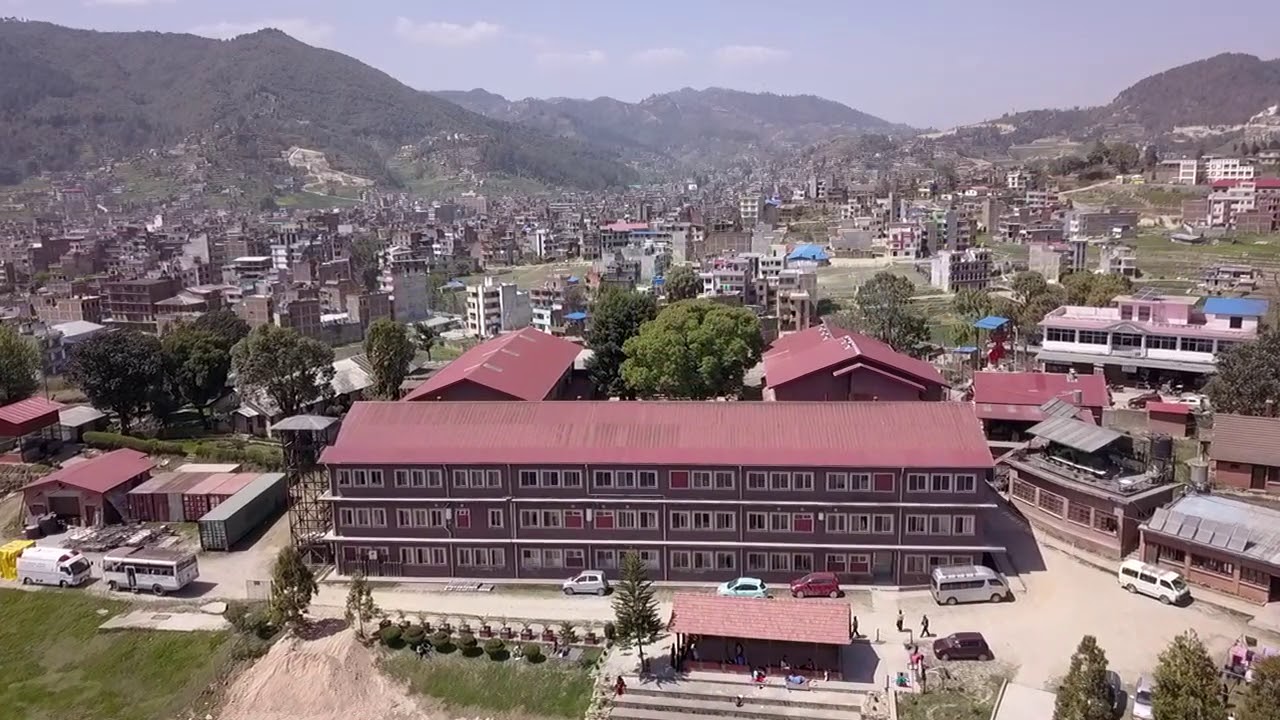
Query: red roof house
x=90 y=492
x=827 y=362
x=27 y=416
x=1018 y=396
x=523 y=365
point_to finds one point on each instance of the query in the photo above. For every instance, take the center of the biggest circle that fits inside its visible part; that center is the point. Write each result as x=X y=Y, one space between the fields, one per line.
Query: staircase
x=703 y=695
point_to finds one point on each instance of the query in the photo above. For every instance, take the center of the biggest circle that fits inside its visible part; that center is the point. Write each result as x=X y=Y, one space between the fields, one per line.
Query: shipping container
x=244 y=512
x=232 y=485
x=9 y=553
x=195 y=501
x=160 y=498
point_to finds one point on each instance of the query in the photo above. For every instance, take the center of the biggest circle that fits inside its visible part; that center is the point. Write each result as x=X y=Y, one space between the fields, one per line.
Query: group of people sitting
x=792 y=675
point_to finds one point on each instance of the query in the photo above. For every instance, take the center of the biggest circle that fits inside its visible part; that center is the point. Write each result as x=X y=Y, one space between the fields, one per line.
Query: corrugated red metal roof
x=817 y=434
x=826 y=346
x=209 y=485
x=170 y=483
x=525 y=364
x=1168 y=408
x=102 y=473
x=28 y=415
x=1021 y=413
x=824 y=622
x=1036 y=388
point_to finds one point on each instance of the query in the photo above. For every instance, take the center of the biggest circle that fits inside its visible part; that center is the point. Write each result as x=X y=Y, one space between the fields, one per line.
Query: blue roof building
x=1239 y=307
x=813 y=253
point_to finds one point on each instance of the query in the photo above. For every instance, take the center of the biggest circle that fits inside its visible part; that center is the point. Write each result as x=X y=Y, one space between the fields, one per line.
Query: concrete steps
x=652 y=707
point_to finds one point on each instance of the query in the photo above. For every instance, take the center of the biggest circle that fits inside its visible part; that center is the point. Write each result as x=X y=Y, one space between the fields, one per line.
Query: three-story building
x=879 y=492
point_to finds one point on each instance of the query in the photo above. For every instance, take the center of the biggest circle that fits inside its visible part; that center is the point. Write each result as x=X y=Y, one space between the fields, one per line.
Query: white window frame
x=837 y=523
x=681 y=560
x=725 y=480
x=598 y=475
x=911 y=521
x=344 y=477
x=757 y=561
x=760 y=518
x=914 y=564
x=779 y=481
x=459 y=478
x=375 y=477
x=940 y=482
x=549 y=478
x=860 y=482
x=966 y=479
x=757 y=480
x=777 y=519
x=571 y=478
x=624 y=479
x=917 y=482
x=802 y=481
x=528 y=478
x=647 y=479
x=496 y=513
x=701 y=480
x=940 y=524
x=837 y=482
x=887 y=519
x=963 y=524
x=401 y=477
x=679 y=520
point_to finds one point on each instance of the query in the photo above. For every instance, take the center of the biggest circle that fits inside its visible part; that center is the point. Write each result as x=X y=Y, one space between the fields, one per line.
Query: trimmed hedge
x=269 y=458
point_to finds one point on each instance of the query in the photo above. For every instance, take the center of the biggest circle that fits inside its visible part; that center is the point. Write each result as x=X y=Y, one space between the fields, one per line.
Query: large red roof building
x=879 y=492
x=827 y=362
x=90 y=492
x=523 y=365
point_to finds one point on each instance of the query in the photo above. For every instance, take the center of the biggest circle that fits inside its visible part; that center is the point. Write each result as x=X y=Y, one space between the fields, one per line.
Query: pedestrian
x=924 y=626
x=899 y=619
x=619 y=686
x=855 y=628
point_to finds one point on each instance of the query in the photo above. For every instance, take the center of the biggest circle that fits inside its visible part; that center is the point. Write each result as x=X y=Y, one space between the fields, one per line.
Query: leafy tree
x=1027 y=285
x=425 y=337
x=1098 y=154
x=114 y=370
x=390 y=352
x=1123 y=156
x=694 y=350
x=1078 y=285
x=972 y=305
x=882 y=308
x=292 y=370
x=365 y=263
x=1248 y=377
x=1085 y=693
x=1187 y=682
x=636 y=622
x=196 y=365
x=682 y=283
x=1150 y=157
x=616 y=317
x=360 y=605
x=1106 y=288
x=224 y=325
x=292 y=587
x=19 y=367
x=1261 y=700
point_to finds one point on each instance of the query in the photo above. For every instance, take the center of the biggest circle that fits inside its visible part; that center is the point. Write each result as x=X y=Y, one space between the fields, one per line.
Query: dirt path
x=333 y=678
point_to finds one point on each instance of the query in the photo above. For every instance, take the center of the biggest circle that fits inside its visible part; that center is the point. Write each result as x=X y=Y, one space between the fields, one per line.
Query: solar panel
x=1188 y=529
x=1148 y=293
x=1239 y=540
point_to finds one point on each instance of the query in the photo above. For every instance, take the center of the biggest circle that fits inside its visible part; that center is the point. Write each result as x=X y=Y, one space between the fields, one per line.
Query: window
x=1105 y=522
x=375 y=478
x=1125 y=340
x=679 y=520
x=726 y=559
x=573 y=518
x=603 y=519
x=601 y=479
x=779 y=481
x=571 y=478
x=917 y=525
x=495 y=517
x=1200 y=345
x=802 y=522
x=859 y=523
x=726 y=521
x=401 y=478
x=883 y=482
x=459 y=478
x=757 y=561
x=836 y=563
x=779 y=522
x=624 y=479
x=940 y=483
x=652 y=558
x=1162 y=342
x=648 y=479
x=1059 y=335
x=964 y=484
x=802 y=562
x=1023 y=491
x=680 y=560
x=757 y=521
x=679 y=480
x=359 y=478
x=1081 y=514
x=550 y=478
x=1257 y=578
x=462 y=518
x=837 y=482
x=493 y=478
x=363 y=517
x=1236 y=322
x=1093 y=337
x=939 y=524
x=917 y=482
x=724 y=479
x=802 y=481
x=553 y=558
x=962 y=525
x=756 y=481
x=914 y=564
x=779 y=561
x=1144 y=313
x=1050 y=503
x=476 y=478
x=700 y=480
x=424 y=556
x=1168 y=554
x=702 y=520
x=1212 y=565
x=528 y=478
x=1225 y=345
x=576 y=559
x=606 y=559
x=882 y=524
x=344 y=478
x=837 y=523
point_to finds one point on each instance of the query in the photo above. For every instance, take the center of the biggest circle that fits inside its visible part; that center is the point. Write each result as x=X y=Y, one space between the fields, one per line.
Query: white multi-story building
x=954 y=270
x=496 y=307
x=1118 y=259
x=1190 y=171
x=405 y=278
x=906 y=240
x=749 y=209
x=1148 y=332
x=1216 y=169
x=1017 y=180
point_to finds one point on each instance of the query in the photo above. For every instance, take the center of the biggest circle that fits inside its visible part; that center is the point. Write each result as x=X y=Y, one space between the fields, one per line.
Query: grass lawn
x=960 y=702
x=550 y=689
x=57 y=666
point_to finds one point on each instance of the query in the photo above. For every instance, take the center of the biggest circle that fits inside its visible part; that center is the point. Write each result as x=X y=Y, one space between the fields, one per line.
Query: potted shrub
x=505 y=631
x=568 y=635
x=413 y=635
x=591 y=637
x=468 y=643
x=425 y=622
x=495 y=649
x=526 y=632
x=401 y=620
x=610 y=632
x=446 y=626
x=548 y=635
x=441 y=641
x=464 y=626
x=533 y=653
x=391 y=636
x=486 y=630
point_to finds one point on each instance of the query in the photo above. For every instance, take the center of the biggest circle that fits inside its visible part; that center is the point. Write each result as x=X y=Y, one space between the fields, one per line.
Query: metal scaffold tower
x=302 y=437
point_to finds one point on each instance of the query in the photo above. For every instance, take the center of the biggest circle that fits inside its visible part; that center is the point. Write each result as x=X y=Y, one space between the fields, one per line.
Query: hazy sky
x=924 y=62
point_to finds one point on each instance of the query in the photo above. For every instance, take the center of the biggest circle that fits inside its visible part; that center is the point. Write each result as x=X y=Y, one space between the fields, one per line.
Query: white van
x=158 y=571
x=1165 y=585
x=967 y=583
x=52 y=566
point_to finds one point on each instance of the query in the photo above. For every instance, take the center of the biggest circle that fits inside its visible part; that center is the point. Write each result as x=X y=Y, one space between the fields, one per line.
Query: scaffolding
x=302 y=437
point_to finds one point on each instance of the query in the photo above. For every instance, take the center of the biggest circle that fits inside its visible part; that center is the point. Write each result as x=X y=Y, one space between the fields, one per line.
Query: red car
x=819 y=584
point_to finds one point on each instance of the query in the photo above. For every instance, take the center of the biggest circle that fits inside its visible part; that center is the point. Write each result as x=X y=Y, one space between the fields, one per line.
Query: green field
x=55 y=665
x=314 y=201
x=549 y=689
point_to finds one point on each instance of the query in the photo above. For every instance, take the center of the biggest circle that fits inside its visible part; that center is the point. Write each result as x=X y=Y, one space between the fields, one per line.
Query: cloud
x=127 y=3
x=447 y=34
x=308 y=31
x=586 y=58
x=658 y=57
x=749 y=55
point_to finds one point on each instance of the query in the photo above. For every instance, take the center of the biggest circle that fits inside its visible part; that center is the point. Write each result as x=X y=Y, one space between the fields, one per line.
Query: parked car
x=743 y=587
x=818 y=584
x=587 y=582
x=1165 y=585
x=1142 y=698
x=1140 y=401
x=962 y=646
x=1115 y=692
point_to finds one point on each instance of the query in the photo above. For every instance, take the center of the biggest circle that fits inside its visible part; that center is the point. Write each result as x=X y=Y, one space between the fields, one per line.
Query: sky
x=928 y=63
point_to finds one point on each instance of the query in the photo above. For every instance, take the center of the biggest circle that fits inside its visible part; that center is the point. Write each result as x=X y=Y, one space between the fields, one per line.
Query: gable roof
x=826 y=346
x=1231 y=526
x=525 y=364
x=1037 y=388
x=100 y=474
x=28 y=415
x=1246 y=439
x=822 y=622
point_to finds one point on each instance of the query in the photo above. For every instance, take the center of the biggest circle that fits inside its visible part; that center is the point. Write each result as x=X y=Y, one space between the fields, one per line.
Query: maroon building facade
x=830 y=363
x=878 y=492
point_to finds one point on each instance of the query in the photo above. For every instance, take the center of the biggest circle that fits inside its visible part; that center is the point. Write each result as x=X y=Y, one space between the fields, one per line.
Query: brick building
x=1246 y=452
x=827 y=362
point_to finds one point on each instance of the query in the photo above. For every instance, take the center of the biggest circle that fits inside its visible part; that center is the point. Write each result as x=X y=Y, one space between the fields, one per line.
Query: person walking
x=620 y=686
x=899 y=619
x=855 y=628
x=924 y=626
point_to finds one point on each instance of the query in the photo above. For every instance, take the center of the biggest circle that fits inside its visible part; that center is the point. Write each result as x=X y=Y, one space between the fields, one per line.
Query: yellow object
x=9 y=553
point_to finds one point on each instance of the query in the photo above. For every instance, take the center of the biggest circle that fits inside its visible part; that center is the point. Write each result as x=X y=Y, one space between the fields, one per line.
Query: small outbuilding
x=89 y=492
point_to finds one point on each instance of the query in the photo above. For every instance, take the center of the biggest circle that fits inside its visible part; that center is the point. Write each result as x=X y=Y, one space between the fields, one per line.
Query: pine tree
x=360 y=605
x=1261 y=699
x=1085 y=694
x=635 y=609
x=1187 y=682
x=292 y=587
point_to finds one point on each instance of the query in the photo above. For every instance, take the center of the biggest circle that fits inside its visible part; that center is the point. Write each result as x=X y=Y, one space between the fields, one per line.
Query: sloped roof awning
x=1075 y=434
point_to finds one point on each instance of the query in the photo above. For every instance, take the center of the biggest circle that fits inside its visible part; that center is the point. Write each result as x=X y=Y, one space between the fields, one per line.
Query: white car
x=588 y=582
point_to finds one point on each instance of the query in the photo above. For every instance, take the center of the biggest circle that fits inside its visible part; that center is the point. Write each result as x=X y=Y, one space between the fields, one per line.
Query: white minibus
x=967 y=583
x=52 y=566
x=156 y=571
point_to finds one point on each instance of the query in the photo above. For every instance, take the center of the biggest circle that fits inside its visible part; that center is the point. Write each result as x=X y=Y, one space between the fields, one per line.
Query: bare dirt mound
x=333 y=678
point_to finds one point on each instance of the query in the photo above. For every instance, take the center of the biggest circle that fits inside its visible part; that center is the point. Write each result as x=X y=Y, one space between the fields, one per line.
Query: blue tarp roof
x=454 y=284
x=657 y=280
x=1247 y=307
x=808 y=252
x=574 y=279
x=965 y=350
x=575 y=316
x=991 y=322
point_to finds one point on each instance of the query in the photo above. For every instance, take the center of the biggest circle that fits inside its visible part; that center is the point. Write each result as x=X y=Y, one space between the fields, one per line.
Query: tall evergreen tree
x=1188 y=686
x=292 y=587
x=635 y=609
x=1084 y=694
x=1261 y=700
x=390 y=351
